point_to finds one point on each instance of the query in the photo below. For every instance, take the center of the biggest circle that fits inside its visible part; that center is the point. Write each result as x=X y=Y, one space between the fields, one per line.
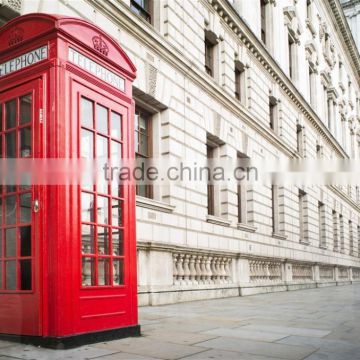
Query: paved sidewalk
x=309 y=324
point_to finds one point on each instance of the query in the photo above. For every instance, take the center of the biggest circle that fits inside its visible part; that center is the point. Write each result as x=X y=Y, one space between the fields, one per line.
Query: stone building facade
x=262 y=79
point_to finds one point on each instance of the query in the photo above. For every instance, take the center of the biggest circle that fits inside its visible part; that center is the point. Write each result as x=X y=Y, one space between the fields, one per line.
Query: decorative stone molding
x=311 y=55
x=193 y=269
x=302 y=272
x=292 y=23
x=325 y=78
x=9 y=9
x=265 y=271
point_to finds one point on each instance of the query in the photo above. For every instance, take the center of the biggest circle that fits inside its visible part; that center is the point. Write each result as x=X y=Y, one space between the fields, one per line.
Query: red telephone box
x=67 y=252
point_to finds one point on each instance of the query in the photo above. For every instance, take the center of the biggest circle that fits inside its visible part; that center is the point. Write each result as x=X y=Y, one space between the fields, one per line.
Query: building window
x=263 y=20
x=299 y=140
x=309 y=9
x=335 y=231
x=342 y=234
x=351 y=238
x=275 y=208
x=241 y=194
x=321 y=216
x=142 y=8
x=210 y=150
x=358 y=236
x=143 y=145
x=291 y=51
x=210 y=45
x=272 y=113
x=302 y=204
x=240 y=81
x=312 y=87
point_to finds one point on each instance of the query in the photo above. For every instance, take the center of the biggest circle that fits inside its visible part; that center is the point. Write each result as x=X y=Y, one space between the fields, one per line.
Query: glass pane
x=88 y=272
x=118 y=272
x=10 y=114
x=116 y=189
x=1 y=211
x=25 y=274
x=87 y=236
x=103 y=241
x=87 y=113
x=102 y=210
x=104 y=271
x=25 y=207
x=87 y=144
x=10 y=209
x=25 y=142
x=1 y=277
x=87 y=207
x=25 y=109
x=25 y=180
x=115 y=153
x=1 y=243
x=116 y=212
x=10 y=242
x=25 y=241
x=117 y=242
x=143 y=145
x=115 y=126
x=11 y=279
x=1 y=139
x=102 y=119
x=101 y=147
x=10 y=139
x=102 y=158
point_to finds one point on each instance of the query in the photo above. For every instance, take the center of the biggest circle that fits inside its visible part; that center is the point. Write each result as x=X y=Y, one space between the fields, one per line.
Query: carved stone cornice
x=335 y=10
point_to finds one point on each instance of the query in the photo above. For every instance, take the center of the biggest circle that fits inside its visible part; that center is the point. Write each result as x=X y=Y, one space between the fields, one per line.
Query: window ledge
x=217 y=220
x=302 y=242
x=246 y=227
x=153 y=204
x=323 y=247
x=279 y=236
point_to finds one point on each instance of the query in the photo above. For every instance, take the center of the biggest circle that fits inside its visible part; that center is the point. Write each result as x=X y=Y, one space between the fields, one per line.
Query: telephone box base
x=70 y=342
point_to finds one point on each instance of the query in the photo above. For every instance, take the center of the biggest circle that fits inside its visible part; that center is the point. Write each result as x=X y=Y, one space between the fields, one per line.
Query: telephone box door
x=20 y=211
x=105 y=290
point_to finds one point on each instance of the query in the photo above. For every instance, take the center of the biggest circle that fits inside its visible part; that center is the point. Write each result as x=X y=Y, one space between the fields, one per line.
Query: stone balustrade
x=343 y=273
x=192 y=269
x=265 y=271
x=326 y=273
x=356 y=273
x=302 y=272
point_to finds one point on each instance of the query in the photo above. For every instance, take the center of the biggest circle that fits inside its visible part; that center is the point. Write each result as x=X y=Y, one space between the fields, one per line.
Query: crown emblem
x=100 y=45
x=16 y=36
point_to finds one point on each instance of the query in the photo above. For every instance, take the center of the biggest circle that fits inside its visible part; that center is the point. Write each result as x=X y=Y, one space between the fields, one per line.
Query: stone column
x=288 y=272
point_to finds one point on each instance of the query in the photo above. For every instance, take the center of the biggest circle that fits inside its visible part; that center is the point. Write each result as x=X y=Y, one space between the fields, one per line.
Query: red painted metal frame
x=65 y=307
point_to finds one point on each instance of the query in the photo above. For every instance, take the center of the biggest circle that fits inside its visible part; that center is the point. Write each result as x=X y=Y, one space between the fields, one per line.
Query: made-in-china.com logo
x=16 y=35
x=100 y=45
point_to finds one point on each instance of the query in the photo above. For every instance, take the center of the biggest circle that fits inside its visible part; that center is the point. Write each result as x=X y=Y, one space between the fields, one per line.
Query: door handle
x=36 y=206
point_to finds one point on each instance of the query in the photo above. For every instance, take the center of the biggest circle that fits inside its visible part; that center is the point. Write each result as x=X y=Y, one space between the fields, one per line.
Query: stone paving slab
x=288 y=330
x=31 y=352
x=247 y=334
x=151 y=347
x=178 y=337
x=333 y=346
x=227 y=355
x=333 y=356
x=259 y=348
x=5 y=344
